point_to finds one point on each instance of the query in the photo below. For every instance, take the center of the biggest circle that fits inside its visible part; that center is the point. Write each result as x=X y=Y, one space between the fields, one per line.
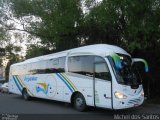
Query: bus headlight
x=142 y=94
x=120 y=95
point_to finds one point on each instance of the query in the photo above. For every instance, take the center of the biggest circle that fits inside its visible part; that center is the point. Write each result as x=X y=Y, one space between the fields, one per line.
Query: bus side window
x=81 y=65
x=30 y=67
x=62 y=61
x=55 y=62
x=24 y=69
x=56 y=65
x=59 y=65
x=101 y=69
x=17 y=70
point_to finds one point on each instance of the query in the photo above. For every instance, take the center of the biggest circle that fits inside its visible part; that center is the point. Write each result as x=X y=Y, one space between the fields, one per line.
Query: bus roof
x=97 y=49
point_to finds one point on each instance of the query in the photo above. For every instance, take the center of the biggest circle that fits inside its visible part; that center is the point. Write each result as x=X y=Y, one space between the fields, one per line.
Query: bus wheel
x=79 y=102
x=25 y=95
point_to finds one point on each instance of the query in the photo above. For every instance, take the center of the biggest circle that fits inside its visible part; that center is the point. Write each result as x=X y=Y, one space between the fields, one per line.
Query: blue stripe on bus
x=65 y=82
x=17 y=84
x=18 y=81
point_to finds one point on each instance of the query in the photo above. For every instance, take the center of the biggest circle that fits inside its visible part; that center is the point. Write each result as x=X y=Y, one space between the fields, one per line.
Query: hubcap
x=79 y=102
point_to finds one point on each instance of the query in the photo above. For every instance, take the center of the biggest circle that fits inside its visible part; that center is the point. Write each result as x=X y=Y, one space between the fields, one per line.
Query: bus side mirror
x=134 y=60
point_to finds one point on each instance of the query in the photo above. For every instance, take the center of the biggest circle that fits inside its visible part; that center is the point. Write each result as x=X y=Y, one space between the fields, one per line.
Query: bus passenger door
x=102 y=84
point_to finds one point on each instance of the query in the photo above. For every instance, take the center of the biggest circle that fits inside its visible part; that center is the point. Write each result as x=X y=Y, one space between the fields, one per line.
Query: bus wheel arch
x=78 y=96
x=25 y=94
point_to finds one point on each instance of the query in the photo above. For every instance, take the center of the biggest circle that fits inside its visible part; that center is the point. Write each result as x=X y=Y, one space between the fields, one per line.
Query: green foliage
x=57 y=20
x=61 y=25
x=35 y=51
x=13 y=58
x=10 y=53
x=131 y=24
x=101 y=24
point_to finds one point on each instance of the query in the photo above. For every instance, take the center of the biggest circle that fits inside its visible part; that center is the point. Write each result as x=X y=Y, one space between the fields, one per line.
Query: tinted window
x=101 y=69
x=81 y=65
x=56 y=65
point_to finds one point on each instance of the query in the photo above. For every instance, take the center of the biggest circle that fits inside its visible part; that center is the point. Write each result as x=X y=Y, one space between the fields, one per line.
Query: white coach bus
x=98 y=75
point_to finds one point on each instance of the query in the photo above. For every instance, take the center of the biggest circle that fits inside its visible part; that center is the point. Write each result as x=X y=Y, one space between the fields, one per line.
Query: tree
x=101 y=24
x=131 y=24
x=55 y=22
x=7 y=22
x=11 y=54
x=36 y=50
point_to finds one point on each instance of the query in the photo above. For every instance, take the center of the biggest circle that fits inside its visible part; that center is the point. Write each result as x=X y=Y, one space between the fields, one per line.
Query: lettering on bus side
x=27 y=79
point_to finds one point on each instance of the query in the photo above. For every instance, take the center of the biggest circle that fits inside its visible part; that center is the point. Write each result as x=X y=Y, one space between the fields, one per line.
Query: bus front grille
x=134 y=101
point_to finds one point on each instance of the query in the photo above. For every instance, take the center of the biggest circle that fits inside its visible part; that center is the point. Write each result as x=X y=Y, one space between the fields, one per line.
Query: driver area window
x=101 y=69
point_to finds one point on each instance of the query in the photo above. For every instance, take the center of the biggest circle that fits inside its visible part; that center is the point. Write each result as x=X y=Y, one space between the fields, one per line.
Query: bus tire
x=79 y=102
x=25 y=94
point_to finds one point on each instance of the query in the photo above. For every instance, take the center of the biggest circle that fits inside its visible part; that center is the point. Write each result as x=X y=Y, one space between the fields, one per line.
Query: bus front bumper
x=128 y=103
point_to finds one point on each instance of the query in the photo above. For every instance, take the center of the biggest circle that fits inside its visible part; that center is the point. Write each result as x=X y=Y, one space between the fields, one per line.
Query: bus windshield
x=126 y=73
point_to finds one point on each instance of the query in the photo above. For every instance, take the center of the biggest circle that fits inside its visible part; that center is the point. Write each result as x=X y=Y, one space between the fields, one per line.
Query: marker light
x=120 y=95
